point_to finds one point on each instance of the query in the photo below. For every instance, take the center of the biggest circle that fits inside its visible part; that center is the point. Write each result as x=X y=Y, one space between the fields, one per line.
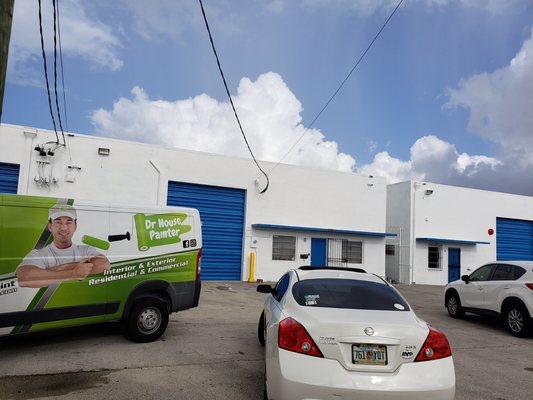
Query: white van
x=65 y=262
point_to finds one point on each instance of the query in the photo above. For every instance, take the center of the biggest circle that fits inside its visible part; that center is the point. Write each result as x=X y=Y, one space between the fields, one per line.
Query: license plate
x=369 y=354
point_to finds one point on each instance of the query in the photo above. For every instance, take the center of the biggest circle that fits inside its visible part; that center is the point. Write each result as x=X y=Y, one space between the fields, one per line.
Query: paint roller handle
x=116 y=238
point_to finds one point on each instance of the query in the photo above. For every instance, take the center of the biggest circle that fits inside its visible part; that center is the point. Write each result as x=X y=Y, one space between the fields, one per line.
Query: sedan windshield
x=348 y=293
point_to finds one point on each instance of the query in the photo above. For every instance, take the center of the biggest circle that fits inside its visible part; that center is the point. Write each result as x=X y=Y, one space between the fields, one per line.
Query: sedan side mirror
x=265 y=289
x=465 y=278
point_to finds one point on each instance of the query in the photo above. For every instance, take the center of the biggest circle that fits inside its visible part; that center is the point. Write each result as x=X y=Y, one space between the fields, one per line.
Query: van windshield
x=348 y=293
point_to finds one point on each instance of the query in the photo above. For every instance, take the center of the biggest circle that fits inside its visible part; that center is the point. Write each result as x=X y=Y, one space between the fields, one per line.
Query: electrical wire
x=55 y=73
x=340 y=86
x=63 y=80
x=62 y=69
x=46 y=72
x=231 y=100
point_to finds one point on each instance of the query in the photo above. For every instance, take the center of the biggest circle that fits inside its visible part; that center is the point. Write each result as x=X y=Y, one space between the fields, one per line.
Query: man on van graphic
x=61 y=260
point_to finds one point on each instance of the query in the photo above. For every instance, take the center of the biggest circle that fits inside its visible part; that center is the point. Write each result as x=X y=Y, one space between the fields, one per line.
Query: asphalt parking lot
x=212 y=352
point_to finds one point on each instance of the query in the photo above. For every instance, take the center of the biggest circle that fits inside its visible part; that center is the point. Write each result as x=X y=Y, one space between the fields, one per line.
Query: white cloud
x=435 y=160
x=81 y=36
x=500 y=106
x=371 y=145
x=369 y=7
x=172 y=19
x=269 y=112
x=275 y=6
x=394 y=169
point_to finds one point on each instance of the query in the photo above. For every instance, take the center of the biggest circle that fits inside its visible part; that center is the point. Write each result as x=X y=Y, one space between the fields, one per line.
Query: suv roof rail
x=310 y=268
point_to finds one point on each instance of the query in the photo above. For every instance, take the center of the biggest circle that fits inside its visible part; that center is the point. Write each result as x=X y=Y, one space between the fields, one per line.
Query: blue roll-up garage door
x=222 y=213
x=9 y=178
x=514 y=239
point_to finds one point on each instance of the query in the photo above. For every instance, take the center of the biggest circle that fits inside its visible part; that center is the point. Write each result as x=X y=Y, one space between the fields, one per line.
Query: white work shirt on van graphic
x=50 y=256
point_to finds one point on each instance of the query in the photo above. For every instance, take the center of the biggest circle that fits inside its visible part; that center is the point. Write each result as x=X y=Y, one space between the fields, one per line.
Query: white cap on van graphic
x=62 y=210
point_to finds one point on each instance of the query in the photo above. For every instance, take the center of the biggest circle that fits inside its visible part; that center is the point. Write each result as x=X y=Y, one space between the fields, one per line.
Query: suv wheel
x=453 y=304
x=517 y=320
x=147 y=321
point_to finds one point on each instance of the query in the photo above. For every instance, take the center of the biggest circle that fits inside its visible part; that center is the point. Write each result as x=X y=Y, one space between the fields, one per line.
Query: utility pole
x=6 y=17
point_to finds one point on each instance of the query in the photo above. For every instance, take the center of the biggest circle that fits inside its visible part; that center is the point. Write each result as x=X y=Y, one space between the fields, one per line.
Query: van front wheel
x=147 y=321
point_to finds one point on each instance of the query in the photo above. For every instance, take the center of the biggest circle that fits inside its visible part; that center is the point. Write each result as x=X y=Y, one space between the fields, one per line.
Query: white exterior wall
x=452 y=212
x=136 y=173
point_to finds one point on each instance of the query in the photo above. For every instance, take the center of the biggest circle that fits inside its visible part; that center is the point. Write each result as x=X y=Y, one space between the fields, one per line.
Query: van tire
x=147 y=320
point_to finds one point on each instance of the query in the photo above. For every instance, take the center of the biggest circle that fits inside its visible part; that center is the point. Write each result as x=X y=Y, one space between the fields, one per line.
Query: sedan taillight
x=436 y=346
x=530 y=285
x=292 y=336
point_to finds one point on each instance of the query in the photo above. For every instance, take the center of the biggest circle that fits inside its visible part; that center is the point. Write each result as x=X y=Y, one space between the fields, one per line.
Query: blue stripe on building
x=222 y=213
x=9 y=178
x=514 y=239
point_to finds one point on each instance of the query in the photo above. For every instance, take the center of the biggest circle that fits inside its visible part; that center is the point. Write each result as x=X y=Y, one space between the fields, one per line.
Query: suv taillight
x=292 y=336
x=530 y=285
x=436 y=346
x=198 y=264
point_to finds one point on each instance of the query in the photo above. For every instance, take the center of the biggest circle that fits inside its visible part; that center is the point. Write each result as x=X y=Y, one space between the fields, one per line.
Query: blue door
x=454 y=264
x=514 y=239
x=9 y=178
x=222 y=213
x=318 y=252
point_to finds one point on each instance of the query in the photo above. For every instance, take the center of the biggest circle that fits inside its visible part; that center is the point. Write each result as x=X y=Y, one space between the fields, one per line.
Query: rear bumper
x=295 y=376
x=186 y=295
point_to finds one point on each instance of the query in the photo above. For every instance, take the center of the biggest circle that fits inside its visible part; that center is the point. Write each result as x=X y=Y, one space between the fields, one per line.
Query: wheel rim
x=515 y=320
x=149 y=320
x=452 y=305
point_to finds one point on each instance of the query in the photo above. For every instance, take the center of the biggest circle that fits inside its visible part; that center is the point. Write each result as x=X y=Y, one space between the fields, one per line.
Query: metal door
x=318 y=252
x=514 y=239
x=9 y=178
x=222 y=213
x=454 y=264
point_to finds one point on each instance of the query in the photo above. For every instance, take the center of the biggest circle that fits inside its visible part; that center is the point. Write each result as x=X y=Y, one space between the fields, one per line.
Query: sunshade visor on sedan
x=348 y=293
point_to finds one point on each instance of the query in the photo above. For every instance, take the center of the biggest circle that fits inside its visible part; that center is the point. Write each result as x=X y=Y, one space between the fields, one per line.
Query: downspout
x=158 y=181
x=30 y=135
x=413 y=240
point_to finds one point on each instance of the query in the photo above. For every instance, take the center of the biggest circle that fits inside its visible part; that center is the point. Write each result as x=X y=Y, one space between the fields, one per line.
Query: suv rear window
x=347 y=293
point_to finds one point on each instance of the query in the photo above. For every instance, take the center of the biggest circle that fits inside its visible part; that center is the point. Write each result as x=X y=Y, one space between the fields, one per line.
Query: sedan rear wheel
x=453 y=304
x=261 y=329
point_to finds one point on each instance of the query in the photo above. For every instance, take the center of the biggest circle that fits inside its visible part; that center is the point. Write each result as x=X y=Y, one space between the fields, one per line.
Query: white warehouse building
x=444 y=232
x=306 y=217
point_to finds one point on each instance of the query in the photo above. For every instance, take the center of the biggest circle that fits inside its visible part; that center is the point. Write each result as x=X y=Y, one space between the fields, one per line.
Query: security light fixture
x=103 y=151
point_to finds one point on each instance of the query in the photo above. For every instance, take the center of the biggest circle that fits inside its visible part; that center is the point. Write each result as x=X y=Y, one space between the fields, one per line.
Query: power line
x=61 y=63
x=46 y=72
x=55 y=73
x=62 y=78
x=340 y=86
x=230 y=99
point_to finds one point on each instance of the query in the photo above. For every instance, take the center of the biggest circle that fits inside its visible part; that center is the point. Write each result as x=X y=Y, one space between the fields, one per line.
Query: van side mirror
x=265 y=289
x=465 y=278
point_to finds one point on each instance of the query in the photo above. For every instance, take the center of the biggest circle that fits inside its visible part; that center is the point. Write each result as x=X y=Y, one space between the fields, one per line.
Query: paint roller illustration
x=159 y=229
x=104 y=244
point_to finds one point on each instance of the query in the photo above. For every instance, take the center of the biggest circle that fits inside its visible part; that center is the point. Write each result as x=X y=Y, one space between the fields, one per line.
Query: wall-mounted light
x=103 y=151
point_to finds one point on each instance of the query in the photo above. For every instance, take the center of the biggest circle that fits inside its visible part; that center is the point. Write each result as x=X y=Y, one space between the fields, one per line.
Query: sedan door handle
x=507 y=287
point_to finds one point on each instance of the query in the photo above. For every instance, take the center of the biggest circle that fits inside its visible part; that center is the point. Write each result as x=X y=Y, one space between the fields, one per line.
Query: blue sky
x=432 y=100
